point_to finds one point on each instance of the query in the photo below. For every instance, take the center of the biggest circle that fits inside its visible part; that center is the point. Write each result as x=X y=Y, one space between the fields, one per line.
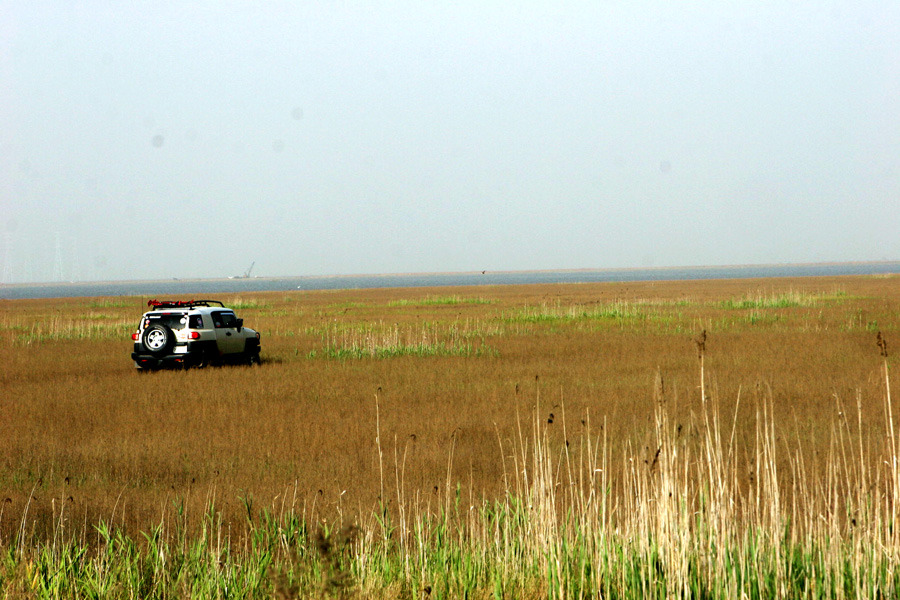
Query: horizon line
x=466 y=272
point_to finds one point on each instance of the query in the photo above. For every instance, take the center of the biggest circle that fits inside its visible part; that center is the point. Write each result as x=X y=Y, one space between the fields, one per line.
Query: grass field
x=710 y=439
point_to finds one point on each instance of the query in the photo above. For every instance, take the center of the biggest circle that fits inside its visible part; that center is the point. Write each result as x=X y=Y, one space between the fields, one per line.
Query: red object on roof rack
x=182 y=303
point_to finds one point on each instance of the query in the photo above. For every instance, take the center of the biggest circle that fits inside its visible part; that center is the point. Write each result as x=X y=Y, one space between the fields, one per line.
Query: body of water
x=199 y=287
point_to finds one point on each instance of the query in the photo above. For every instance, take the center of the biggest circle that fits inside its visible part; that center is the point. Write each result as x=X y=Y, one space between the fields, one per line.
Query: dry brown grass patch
x=133 y=445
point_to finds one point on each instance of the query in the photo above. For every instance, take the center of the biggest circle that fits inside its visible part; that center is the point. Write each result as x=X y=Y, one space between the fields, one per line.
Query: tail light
x=135 y=336
x=194 y=335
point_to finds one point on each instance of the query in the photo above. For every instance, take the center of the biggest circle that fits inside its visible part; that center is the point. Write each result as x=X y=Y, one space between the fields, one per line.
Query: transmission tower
x=7 y=259
x=75 y=274
x=57 y=266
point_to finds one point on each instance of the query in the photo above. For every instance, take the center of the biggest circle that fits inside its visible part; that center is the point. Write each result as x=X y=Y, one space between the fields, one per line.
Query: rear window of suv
x=170 y=320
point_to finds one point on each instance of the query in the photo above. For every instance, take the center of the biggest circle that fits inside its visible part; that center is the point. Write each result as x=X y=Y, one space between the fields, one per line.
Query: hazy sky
x=187 y=139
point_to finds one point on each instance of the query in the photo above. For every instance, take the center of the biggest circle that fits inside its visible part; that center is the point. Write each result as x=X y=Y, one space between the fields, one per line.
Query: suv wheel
x=199 y=363
x=158 y=339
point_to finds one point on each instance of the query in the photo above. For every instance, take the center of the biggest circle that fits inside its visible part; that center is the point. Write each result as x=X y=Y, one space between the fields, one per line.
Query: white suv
x=192 y=333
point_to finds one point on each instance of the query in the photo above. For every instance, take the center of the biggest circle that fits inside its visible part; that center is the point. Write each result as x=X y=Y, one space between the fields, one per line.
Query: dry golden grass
x=85 y=437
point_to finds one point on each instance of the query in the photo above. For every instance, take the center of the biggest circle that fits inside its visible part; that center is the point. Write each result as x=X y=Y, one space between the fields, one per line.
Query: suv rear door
x=227 y=337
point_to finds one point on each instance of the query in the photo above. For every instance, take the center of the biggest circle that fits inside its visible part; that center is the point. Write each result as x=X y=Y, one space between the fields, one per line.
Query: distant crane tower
x=246 y=274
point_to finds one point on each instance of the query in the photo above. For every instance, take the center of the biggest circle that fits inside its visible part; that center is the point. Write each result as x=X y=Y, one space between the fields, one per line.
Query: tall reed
x=693 y=513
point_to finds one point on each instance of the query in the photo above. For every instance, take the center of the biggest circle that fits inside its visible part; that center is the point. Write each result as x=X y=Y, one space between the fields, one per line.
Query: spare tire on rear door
x=158 y=339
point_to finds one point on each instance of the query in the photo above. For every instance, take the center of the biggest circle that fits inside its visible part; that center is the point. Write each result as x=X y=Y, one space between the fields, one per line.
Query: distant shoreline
x=413 y=274
x=199 y=288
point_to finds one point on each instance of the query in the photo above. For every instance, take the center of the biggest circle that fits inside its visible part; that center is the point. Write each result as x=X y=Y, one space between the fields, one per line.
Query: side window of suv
x=195 y=322
x=217 y=320
x=228 y=320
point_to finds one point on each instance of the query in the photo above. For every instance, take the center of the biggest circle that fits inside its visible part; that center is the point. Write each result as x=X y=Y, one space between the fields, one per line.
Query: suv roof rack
x=182 y=303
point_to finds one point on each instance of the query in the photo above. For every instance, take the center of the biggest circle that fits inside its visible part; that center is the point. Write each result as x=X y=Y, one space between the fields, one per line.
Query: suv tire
x=251 y=352
x=158 y=339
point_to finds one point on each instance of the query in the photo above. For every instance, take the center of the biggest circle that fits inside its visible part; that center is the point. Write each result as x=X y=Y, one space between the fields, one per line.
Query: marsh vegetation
x=711 y=439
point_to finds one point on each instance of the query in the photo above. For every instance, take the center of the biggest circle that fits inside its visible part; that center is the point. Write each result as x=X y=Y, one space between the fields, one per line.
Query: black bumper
x=196 y=353
x=149 y=361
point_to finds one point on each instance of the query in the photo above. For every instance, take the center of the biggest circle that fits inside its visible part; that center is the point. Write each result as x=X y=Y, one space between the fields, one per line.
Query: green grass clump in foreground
x=676 y=520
